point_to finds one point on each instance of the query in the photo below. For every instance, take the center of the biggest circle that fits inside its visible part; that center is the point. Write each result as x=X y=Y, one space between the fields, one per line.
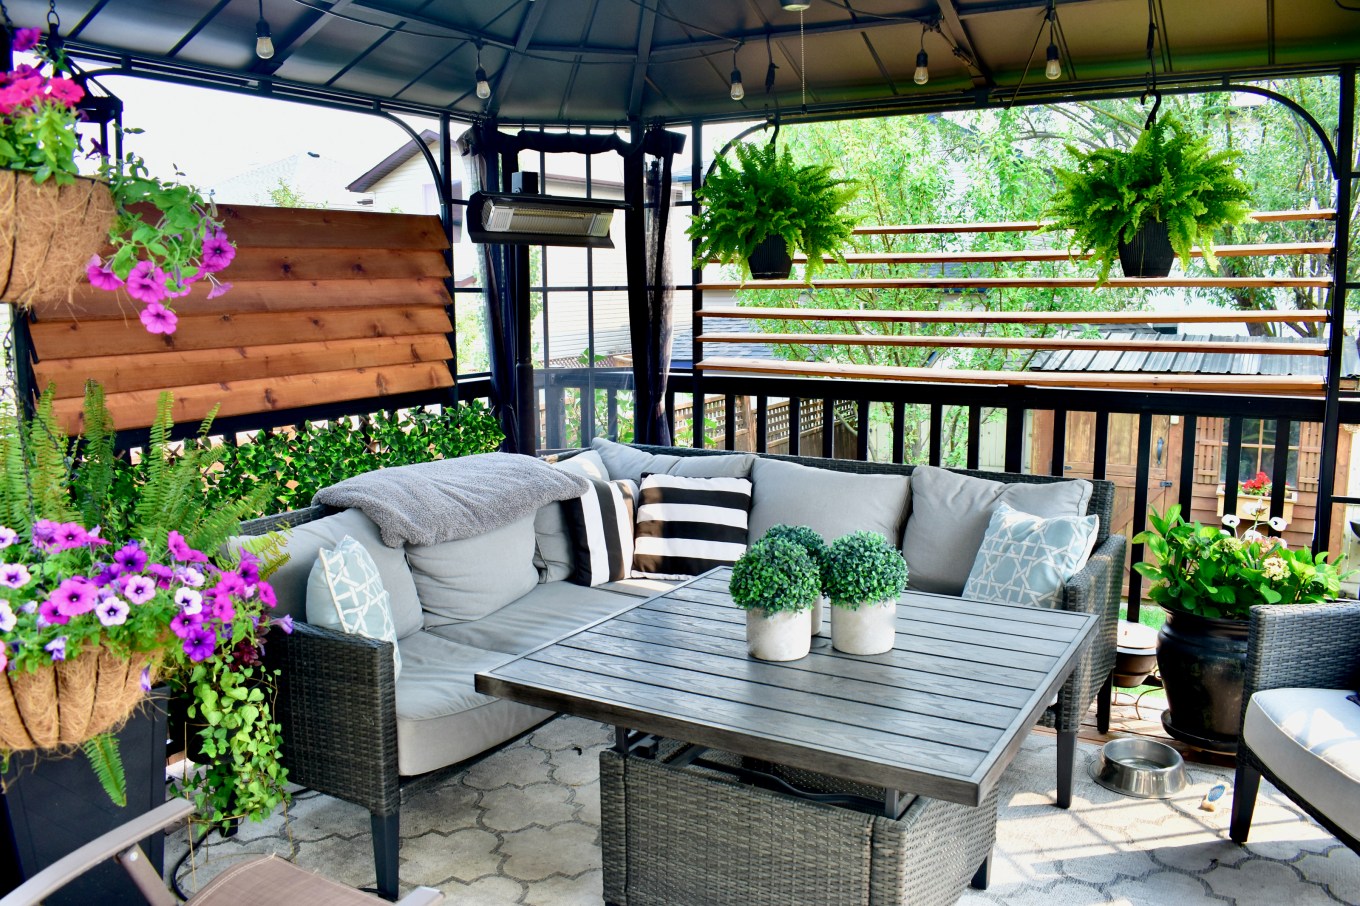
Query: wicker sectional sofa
x=351 y=729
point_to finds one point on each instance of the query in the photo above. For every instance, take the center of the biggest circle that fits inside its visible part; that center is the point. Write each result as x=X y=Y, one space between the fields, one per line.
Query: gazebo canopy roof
x=605 y=62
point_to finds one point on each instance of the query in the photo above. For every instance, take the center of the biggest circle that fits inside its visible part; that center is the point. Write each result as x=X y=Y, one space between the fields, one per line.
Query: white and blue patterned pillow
x=345 y=592
x=1026 y=559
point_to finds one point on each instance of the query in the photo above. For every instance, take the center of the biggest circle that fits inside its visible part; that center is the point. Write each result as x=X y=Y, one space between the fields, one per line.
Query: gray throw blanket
x=449 y=499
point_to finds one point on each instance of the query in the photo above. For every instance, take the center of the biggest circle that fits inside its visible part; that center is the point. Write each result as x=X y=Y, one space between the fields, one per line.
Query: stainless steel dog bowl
x=1138 y=767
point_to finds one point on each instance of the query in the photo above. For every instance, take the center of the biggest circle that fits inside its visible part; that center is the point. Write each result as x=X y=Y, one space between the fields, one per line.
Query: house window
x=1258 y=451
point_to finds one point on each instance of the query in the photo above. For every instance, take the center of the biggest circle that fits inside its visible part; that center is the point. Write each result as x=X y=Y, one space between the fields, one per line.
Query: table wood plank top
x=942 y=714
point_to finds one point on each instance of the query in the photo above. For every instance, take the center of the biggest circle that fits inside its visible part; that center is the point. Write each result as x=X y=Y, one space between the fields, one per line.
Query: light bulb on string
x=922 y=74
x=793 y=6
x=738 y=89
x=264 y=42
x=483 y=85
x=1053 y=68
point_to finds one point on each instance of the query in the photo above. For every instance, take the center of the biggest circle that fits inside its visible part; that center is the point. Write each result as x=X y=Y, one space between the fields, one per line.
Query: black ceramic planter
x=1203 y=661
x=52 y=806
x=771 y=260
x=1149 y=254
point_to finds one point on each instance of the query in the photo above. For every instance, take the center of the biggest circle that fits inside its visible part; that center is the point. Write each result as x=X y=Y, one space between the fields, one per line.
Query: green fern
x=102 y=752
x=1169 y=175
x=93 y=482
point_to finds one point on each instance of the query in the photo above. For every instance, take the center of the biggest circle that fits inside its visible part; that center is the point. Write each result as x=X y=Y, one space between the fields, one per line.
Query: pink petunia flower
x=139 y=589
x=65 y=91
x=75 y=596
x=267 y=596
x=49 y=614
x=223 y=610
x=218 y=251
x=101 y=275
x=7 y=536
x=112 y=611
x=14 y=575
x=156 y=318
x=180 y=549
x=146 y=283
x=219 y=289
x=4 y=658
x=26 y=39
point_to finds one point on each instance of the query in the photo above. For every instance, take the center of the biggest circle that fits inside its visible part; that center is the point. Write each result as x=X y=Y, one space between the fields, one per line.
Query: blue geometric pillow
x=1026 y=560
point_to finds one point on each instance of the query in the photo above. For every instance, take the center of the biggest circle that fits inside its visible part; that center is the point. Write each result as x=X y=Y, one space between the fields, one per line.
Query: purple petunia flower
x=192 y=577
x=107 y=575
x=229 y=584
x=57 y=648
x=189 y=601
x=4 y=658
x=74 y=596
x=7 y=618
x=146 y=283
x=101 y=276
x=182 y=623
x=163 y=574
x=26 y=39
x=156 y=318
x=266 y=593
x=44 y=532
x=69 y=535
x=50 y=615
x=181 y=551
x=14 y=575
x=130 y=558
x=199 y=644
x=219 y=288
x=249 y=568
x=112 y=611
x=285 y=623
x=7 y=536
x=139 y=589
x=218 y=251
x=146 y=679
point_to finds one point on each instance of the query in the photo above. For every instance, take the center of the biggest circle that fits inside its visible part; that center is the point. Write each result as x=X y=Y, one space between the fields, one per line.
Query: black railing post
x=762 y=424
x=696 y=276
x=729 y=421
x=936 y=434
x=1101 y=454
x=795 y=426
x=974 y=436
x=862 y=435
x=1234 y=461
x=1279 y=477
x=1140 y=505
x=1059 y=456
x=1015 y=438
x=1187 y=501
x=828 y=428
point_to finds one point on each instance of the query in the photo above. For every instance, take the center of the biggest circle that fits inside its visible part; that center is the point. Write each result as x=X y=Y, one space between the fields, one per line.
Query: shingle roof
x=1175 y=362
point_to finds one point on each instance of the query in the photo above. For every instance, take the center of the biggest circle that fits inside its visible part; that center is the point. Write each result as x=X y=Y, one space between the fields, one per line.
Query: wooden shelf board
x=1058 y=343
x=1023 y=226
x=1274 y=385
x=948 y=284
x=1219 y=316
x=1040 y=255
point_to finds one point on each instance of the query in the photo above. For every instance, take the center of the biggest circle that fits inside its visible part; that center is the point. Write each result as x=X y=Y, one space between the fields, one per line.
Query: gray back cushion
x=949 y=517
x=290 y=580
x=472 y=577
x=830 y=503
x=552 y=553
x=624 y=461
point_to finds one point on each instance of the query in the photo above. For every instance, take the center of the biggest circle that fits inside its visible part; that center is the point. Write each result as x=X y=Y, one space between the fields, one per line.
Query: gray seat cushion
x=547 y=612
x=1310 y=739
x=303 y=543
x=949 y=517
x=624 y=461
x=441 y=718
x=830 y=503
x=473 y=577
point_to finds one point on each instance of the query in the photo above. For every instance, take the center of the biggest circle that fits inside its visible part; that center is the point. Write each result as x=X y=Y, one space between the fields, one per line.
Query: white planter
x=868 y=629
x=819 y=615
x=781 y=636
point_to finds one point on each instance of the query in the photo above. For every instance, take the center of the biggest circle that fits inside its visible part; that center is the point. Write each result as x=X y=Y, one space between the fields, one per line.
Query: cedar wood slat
x=950 y=283
x=1220 y=316
x=77 y=339
x=1024 y=226
x=1062 y=343
x=264 y=394
x=301 y=228
x=1016 y=255
x=122 y=374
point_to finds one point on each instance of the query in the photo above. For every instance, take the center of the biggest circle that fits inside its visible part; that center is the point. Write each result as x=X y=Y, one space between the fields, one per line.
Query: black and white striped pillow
x=686 y=526
x=601 y=526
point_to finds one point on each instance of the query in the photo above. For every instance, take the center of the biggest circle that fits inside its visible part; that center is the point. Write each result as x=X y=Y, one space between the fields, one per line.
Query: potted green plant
x=54 y=222
x=1148 y=204
x=757 y=211
x=1207 y=580
x=815 y=545
x=776 y=583
x=863 y=575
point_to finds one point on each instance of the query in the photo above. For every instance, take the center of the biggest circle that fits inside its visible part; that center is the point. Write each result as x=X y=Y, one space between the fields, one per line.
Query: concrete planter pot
x=781 y=636
x=819 y=616
x=867 y=629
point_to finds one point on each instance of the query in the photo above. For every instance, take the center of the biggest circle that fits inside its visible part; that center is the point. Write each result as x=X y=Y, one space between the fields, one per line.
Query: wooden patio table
x=942 y=715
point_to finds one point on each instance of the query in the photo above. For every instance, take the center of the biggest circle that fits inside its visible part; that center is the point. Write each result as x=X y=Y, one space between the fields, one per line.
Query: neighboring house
x=317 y=181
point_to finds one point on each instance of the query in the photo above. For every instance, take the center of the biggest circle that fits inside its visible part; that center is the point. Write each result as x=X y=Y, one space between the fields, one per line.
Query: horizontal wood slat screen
x=1218 y=316
x=1007 y=256
x=947 y=284
x=326 y=306
x=960 y=342
x=1029 y=226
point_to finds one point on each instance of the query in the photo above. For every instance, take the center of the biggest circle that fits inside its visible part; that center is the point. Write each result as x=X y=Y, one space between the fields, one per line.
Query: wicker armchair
x=1314 y=758
x=1093 y=590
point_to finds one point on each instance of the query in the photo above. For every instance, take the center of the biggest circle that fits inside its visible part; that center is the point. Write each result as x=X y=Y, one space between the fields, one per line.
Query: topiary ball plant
x=765 y=193
x=775 y=575
x=1169 y=175
x=803 y=536
x=862 y=568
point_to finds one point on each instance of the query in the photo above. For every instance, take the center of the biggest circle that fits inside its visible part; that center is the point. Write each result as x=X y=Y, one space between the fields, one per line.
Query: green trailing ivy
x=765 y=193
x=1169 y=175
x=775 y=575
x=862 y=568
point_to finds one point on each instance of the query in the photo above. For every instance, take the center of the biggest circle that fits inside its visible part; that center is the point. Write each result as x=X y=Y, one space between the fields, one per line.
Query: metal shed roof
x=608 y=61
x=1175 y=362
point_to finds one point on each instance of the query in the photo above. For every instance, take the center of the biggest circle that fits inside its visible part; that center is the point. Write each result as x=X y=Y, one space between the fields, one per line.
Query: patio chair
x=1299 y=730
x=264 y=881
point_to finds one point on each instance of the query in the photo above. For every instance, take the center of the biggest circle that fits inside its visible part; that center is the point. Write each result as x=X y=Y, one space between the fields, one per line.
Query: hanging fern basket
x=771 y=260
x=1149 y=254
x=48 y=234
x=67 y=703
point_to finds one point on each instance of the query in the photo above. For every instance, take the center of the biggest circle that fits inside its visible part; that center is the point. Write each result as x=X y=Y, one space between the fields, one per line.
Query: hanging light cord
x=802 y=59
x=1152 y=70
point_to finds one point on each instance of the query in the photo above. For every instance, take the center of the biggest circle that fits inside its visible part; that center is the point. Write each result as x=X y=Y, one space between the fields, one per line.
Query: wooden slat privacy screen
x=326 y=306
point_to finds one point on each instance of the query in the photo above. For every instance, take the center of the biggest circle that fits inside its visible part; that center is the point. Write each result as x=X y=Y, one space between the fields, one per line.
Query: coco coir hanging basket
x=67 y=703
x=48 y=234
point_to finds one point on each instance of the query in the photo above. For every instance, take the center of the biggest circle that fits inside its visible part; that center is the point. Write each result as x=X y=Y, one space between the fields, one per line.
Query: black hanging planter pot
x=771 y=260
x=1203 y=661
x=1149 y=254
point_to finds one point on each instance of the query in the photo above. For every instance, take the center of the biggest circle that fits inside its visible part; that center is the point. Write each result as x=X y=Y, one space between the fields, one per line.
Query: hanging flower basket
x=68 y=702
x=48 y=233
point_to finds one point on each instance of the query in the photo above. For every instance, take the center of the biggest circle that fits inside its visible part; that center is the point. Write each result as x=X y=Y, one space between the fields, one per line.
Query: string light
x=922 y=74
x=1052 y=68
x=483 y=86
x=793 y=6
x=738 y=89
x=264 y=43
